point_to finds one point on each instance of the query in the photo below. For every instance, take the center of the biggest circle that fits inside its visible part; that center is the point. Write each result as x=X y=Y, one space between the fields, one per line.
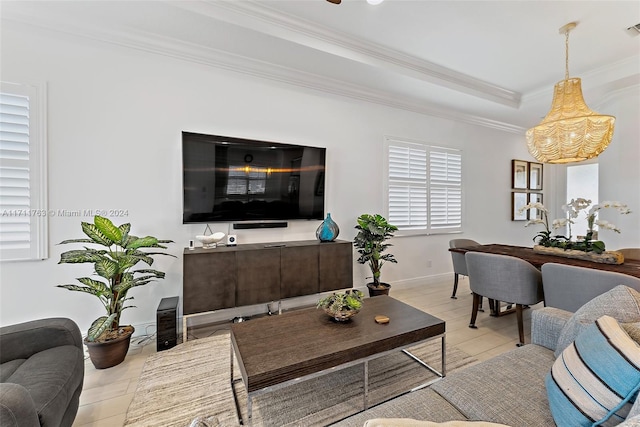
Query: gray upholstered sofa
x=510 y=388
x=41 y=373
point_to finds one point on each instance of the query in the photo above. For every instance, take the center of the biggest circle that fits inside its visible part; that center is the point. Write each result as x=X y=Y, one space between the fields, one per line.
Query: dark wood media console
x=234 y=276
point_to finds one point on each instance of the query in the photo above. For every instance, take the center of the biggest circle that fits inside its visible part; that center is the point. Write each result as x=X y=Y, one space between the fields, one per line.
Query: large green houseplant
x=119 y=252
x=373 y=233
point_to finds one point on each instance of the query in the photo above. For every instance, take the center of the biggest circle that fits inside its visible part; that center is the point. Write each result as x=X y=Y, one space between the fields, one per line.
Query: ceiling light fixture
x=570 y=132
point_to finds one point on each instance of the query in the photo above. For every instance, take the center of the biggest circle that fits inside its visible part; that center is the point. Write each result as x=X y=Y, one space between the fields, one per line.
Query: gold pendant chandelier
x=570 y=132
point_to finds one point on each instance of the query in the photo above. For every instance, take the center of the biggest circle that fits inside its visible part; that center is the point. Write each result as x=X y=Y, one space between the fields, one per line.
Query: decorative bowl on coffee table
x=342 y=306
x=342 y=315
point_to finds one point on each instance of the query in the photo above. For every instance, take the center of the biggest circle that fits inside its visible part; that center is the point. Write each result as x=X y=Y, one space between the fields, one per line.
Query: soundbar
x=248 y=225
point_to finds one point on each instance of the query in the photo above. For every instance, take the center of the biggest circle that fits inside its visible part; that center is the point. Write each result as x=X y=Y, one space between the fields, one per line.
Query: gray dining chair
x=630 y=253
x=459 y=263
x=503 y=278
x=569 y=287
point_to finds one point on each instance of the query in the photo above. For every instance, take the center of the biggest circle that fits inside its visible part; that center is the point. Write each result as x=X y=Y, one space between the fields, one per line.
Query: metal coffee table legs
x=365 y=361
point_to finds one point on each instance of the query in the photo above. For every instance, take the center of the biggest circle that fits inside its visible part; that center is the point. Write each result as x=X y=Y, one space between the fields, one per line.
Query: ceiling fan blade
x=335 y=1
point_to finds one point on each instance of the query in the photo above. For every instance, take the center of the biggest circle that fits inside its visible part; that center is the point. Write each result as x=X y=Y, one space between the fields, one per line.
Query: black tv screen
x=233 y=179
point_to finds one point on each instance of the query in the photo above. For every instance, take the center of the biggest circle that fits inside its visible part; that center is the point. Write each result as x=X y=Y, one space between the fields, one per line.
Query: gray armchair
x=459 y=264
x=503 y=278
x=41 y=373
x=568 y=287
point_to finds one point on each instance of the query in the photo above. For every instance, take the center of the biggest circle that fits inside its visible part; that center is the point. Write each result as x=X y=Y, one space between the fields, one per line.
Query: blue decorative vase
x=328 y=230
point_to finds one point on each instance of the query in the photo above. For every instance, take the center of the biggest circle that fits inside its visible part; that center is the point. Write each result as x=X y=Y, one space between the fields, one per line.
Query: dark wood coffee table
x=275 y=351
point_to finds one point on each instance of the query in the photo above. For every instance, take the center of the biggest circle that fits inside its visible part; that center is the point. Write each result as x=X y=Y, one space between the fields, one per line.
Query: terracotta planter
x=374 y=291
x=110 y=353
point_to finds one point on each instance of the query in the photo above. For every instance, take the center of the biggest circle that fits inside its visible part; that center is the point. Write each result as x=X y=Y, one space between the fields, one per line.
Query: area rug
x=191 y=381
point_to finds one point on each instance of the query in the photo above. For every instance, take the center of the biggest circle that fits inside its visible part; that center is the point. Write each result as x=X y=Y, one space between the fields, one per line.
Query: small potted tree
x=373 y=232
x=120 y=252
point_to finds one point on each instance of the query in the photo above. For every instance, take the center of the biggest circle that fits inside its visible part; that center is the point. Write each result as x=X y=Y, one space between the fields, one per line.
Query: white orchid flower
x=537 y=205
x=581 y=203
x=606 y=225
x=570 y=210
x=533 y=221
x=621 y=207
x=575 y=206
x=560 y=222
x=578 y=204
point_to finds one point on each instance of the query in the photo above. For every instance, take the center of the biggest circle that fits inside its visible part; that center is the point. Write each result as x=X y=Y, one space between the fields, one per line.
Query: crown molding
x=181 y=50
x=619 y=70
x=259 y=17
x=618 y=93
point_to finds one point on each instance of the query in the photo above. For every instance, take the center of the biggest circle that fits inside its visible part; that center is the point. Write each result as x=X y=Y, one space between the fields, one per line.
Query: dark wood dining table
x=630 y=266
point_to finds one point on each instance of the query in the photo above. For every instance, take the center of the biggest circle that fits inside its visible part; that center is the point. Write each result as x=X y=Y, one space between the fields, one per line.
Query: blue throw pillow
x=596 y=379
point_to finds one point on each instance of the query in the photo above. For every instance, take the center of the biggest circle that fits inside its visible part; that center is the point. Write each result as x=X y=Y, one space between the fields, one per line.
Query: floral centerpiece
x=543 y=237
x=342 y=306
x=589 y=244
x=573 y=209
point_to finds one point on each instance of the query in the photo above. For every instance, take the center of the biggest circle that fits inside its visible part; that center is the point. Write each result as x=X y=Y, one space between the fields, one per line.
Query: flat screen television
x=229 y=179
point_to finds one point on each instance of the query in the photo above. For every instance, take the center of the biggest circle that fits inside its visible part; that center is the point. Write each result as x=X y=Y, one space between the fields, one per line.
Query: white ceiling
x=488 y=62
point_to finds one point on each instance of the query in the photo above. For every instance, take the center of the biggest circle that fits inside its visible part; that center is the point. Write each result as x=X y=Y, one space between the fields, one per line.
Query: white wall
x=114 y=122
x=620 y=169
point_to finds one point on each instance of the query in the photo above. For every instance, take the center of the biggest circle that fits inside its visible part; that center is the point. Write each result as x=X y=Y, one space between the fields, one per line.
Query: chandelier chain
x=566 y=60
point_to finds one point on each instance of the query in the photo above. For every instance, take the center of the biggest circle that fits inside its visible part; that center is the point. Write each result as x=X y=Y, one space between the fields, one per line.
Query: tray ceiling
x=488 y=62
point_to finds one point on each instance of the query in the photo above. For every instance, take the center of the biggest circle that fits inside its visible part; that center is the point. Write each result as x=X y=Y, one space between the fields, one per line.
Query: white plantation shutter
x=424 y=187
x=23 y=215
x=407 y=186
x=445 y=189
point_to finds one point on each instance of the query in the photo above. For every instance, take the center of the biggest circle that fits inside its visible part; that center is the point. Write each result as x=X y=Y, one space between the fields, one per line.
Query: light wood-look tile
x=108 y=393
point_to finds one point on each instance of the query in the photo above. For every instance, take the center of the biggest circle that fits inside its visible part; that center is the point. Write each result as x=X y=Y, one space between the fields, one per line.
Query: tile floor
x=107 y=393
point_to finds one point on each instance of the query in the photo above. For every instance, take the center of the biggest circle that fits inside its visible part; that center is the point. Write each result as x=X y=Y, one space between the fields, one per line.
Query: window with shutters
x=23 y=210
x=423 y=187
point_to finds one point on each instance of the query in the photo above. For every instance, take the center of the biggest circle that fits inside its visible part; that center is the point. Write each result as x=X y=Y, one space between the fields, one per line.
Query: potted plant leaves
x=371 y=242
x=113 y=262
x=342 y=306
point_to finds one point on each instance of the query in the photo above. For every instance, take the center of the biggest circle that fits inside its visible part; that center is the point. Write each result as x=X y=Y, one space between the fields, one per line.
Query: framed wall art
x=519 y=174
x=535 y=176
x=535 y=213
x=518 y=200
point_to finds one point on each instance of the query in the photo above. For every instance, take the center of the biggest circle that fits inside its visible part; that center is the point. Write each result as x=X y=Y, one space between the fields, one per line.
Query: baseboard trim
x=423 y=280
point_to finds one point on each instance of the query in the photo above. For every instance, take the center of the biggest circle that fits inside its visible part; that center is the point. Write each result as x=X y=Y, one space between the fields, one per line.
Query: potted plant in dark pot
x=114 y=261
x=373 y=232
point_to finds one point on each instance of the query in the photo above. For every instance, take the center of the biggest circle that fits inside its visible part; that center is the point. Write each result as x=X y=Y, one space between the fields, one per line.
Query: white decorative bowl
x=210 y=241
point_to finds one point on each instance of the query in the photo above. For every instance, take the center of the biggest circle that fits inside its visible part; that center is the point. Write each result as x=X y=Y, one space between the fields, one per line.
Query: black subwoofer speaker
x=166 y=321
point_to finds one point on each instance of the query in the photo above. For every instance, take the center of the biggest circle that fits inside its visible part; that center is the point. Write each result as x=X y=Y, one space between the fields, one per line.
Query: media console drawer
x=255 y=273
